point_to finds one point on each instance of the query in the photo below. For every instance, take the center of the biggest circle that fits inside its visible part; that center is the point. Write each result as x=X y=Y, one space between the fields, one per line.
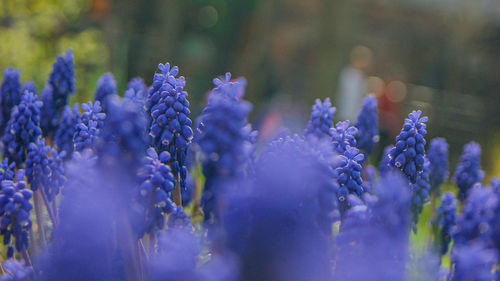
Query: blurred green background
x=439 y=56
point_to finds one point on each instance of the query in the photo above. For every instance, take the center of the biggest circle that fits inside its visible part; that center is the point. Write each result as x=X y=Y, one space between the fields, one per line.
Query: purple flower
x=106 y=87
x=321 y=120
x=420 y=195
x=408 y=154
x=10 y=94
x=23 y=128
x=16 y=271
x=468 y=172
x=62 y=80
x=438 y=159
x=63 y=137
x=15 y=207
x=89 y=127
x=367 y=125
x=343 y=136
x=170 y=127
x=474 y=262
x=30 y=87
x=445 y=220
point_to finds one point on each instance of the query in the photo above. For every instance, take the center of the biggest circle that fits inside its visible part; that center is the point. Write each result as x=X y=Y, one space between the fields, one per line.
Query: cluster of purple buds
x=321 y=120
x=89 y=127
x=10 y=94
x=62 y=80
x=30 y=87
x=171 y=126
x=23 y=128
x=420 y=195
x=445 y=220
x=15 y=207
x=343 y=136
x=349 y=174
x=367 y=125
x=106 y=87
x=63 y=137
x=438 y=159
x=468 y=172
x=157 y=183
x=137 y=84
x=408 y=154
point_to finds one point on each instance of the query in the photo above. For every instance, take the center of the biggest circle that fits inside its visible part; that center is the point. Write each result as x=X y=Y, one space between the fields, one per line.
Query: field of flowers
x=129 y=188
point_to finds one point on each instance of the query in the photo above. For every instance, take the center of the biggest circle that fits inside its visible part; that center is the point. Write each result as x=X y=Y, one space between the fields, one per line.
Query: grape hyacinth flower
x=15 y=207
x=154 y=191
x=475 y=216
x=37 y=165
x=123 y=136
x=6 y=170
x=16 y=271
x=438 y=159
x=420 y=194
x=349 y=175
x=232 y=88
x=468 y=172
x=475 y=262
x=343 y=136
x=63 y=137
x=375 y=235
x=445 y=220
x=170 y=127
x=221 y=141
x=30 y=87
x=89 y=127
x=62 y=80
x=408 y=154
x=48 y=116
x=23 y=128
x=367 y=125
x=321 y=120
x=106 y=86
x=10 y=94
x=137 y=84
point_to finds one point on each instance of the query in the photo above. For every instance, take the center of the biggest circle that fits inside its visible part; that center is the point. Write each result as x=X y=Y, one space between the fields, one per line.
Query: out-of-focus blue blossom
x=495 y=185
x=408 y=154
x=321 y=120
x=171 y=126
x=343 y=136
x=474 y=262
x=385 y=163
x=157 y=182
x=476 y=215
x=106 y=86
x=10 y=94
x=349 y=175
x=367 y=125
x=420 y=194
x=279 y=239
x=373 y=238
x=91 y=239
x=16 y=271
x=438 y=159
x=123 y=136
x=137 y=84
x=62 y=80
x=23 y=128
x=370 y=174
x=63 y=137
x=57 y=177
x=30 y=87
x=445 y=220
x=221 y=142
x=468 y=172
x=15 y=207
x=48 y=115
x=89 y=127
x=178 y=251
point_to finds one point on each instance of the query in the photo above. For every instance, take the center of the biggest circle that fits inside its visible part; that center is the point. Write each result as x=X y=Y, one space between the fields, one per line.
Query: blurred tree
x=37 y=31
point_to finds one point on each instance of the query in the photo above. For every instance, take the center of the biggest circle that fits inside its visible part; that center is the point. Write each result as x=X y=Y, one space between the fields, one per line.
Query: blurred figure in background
x=352 y=87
